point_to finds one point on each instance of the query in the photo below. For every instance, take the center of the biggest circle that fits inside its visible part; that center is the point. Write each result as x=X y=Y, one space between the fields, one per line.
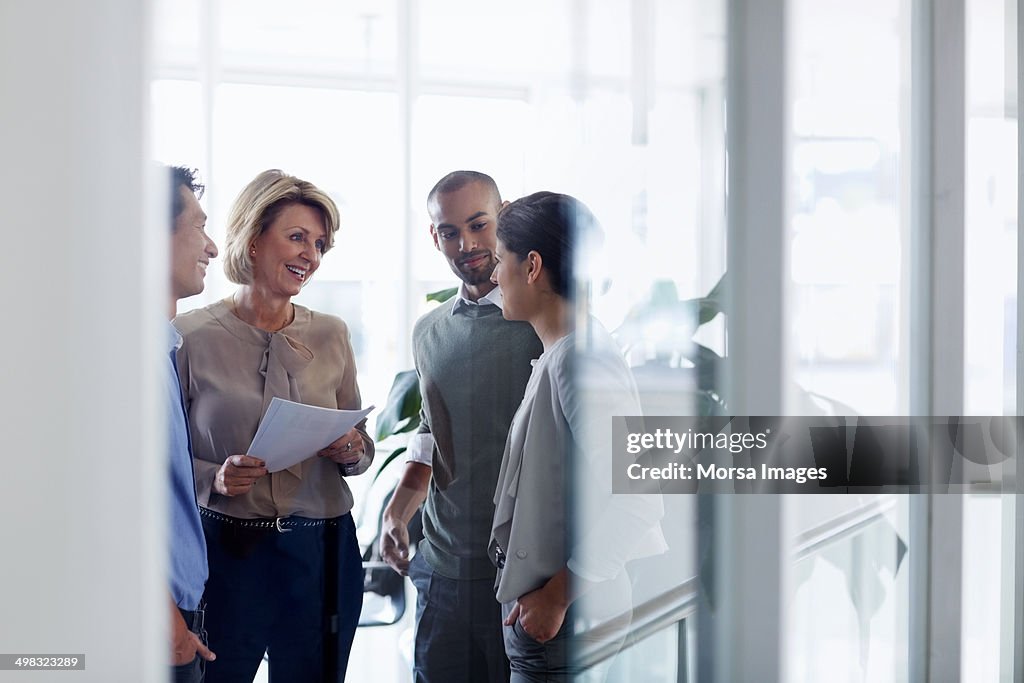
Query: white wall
x=81 y=569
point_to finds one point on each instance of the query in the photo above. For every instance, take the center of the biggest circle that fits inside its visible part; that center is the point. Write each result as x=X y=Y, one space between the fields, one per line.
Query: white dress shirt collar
x=462 y=299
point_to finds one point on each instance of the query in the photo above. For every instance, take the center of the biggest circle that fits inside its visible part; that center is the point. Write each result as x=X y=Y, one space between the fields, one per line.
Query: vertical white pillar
x=948 y=171
x=82 y=493
x=746 y=624
x=757 y=142
x=209 y=76
x=1017 y=567
x=938 y=149
x=1011 y=563
x=408 y=87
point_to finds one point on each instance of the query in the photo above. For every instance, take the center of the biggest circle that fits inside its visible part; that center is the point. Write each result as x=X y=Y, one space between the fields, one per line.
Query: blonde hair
x=258 y=205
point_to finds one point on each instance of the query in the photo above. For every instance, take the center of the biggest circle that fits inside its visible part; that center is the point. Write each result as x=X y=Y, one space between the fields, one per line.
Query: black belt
x=194 y=618
x=279 y=524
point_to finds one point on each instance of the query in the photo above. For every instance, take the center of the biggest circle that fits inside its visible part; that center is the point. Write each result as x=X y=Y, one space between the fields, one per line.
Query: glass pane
x=849 y=607
x=653 y=659
x=500 y=42
x=990 y=318
x=987 y=585
x=176 y=30
x=345 y=142
x=548 y=101
x=310 y=37
x=652 y=170
x=847 y=230
x=177 y=123
x=990 y=286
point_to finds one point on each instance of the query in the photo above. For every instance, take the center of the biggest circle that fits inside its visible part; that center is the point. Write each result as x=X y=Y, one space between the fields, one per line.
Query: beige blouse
x=230 y=371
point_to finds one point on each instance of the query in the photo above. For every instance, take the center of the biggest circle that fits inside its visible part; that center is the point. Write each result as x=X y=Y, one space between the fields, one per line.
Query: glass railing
x=847 y=612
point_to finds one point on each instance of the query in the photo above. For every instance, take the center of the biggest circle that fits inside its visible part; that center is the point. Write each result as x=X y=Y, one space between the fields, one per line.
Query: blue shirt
x=187 y=543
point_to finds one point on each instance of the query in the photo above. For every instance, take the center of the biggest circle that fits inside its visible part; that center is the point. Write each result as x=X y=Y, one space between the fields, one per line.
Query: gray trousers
x=534 y=662
x=556 y=661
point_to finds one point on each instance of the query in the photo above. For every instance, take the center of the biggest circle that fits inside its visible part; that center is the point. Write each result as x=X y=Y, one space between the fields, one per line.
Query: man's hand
x=394 y=533
x=185 y=644
x=238 y=475
x=541 y=612
x=394 y=544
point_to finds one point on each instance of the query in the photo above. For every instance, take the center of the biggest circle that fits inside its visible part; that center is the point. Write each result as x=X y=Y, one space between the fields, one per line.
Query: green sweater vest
x=473 y=368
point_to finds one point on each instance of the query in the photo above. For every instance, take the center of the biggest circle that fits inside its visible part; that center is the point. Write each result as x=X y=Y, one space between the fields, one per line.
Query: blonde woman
x=285 y=570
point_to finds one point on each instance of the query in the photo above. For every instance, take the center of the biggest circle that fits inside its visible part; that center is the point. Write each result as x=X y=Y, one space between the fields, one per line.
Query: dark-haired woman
x=551 y=579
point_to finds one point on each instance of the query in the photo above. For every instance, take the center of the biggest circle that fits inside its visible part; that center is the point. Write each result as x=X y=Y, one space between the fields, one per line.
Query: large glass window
x=990 y=279
x=990 y=325
x=618 y=103
x=849 y=608
x=847 y=225
x=622 y=103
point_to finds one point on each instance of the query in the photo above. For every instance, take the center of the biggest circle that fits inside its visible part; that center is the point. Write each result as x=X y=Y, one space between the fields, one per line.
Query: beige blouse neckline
x=223 y=311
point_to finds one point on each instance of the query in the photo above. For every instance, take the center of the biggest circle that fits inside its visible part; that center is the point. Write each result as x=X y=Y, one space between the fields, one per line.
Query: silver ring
x=348 y=446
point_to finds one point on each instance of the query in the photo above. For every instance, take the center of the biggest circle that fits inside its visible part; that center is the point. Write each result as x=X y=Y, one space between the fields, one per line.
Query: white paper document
x=292 y=432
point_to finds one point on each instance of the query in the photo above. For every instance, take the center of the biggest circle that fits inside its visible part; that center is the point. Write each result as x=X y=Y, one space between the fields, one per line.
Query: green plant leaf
x=718 y=293
x=706 y=308
x=401 y=411
x=387 y=461
x=442 y=295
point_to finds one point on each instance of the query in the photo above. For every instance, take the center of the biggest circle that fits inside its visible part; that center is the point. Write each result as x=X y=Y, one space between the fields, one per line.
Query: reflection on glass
x=846 y=231
x=656 y=658
x=619 y=103
x=350 y=39
x=985 y=578
x=848 y=607
x=990 y=321
x=990 y=279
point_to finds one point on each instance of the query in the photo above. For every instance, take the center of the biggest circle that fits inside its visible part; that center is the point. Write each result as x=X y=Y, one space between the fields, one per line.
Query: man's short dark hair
x=456 y=180
x=181 y=176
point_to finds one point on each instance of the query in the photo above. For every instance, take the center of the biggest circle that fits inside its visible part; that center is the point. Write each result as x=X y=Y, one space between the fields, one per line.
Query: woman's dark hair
x=553 y=225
